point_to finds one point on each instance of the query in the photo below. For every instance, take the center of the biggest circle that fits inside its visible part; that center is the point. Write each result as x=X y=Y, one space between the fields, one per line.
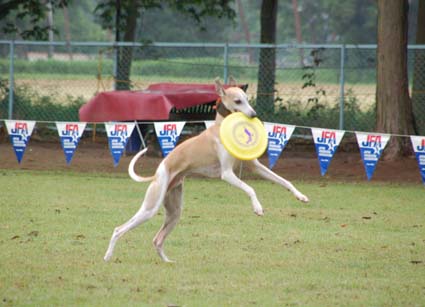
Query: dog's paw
x=107 y=257
x=302 y=198
x=259 y=212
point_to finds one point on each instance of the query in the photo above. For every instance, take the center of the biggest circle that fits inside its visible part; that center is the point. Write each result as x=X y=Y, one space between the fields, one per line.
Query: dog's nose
x=253 y=114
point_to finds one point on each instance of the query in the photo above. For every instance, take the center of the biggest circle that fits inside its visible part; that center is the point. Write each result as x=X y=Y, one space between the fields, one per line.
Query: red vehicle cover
x=154 y=103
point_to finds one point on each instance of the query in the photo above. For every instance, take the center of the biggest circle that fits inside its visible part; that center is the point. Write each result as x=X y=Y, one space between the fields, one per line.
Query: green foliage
x=309 y=78
x=355 y=118
x=323 y=114
x=86 y=29
x=28 y=104
x=333 y=20
x=322 y=21
x=347 y=247
x=318 y=111
x=193 y=15
x=27 y=18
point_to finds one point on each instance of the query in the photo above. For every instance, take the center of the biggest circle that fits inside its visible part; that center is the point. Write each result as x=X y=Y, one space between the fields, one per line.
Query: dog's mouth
x=251 y=114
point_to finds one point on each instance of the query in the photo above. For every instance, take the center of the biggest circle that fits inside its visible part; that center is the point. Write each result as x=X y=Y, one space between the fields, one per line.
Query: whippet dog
x=203 y=153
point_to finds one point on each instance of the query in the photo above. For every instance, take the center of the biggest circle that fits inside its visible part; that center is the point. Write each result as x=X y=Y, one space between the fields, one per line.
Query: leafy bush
x=323 y=115
x=28 y=104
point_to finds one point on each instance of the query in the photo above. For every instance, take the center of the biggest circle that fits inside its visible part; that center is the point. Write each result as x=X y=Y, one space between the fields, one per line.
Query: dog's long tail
x=131 y=171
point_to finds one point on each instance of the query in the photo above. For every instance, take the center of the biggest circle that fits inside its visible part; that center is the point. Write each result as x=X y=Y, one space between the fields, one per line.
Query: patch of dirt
x=297 y=162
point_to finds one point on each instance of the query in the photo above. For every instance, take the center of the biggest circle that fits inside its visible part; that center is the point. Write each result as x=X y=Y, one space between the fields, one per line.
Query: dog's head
x=234 y=99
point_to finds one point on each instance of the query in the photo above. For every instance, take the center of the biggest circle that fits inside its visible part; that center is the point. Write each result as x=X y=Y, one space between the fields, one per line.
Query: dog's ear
x=219 y=87
x=232 y=81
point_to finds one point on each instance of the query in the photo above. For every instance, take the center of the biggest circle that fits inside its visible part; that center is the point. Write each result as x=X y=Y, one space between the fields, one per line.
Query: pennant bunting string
x=70 y=134
x=118 y=134
x=326 y=141
x=371 y=147
x=418 y=143
x=19 y=134
x=168 y=134
x=278 y=137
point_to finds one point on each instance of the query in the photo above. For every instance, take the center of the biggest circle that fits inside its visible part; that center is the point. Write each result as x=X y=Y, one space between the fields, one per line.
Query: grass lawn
x=352 y=245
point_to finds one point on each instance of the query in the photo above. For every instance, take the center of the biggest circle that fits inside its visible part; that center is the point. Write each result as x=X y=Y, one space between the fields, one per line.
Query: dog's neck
x=222 y=112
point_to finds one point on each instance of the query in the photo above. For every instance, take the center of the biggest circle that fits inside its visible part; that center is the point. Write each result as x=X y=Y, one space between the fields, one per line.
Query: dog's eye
x=238 y=101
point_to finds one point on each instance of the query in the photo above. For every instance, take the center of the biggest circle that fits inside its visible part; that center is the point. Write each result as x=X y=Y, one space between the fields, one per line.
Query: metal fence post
x=226 y=63
x=341 y=88
x=115 y=63
x=11 y=78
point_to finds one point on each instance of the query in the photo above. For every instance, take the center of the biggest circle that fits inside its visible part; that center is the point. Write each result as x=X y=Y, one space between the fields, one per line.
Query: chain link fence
x=330 y=86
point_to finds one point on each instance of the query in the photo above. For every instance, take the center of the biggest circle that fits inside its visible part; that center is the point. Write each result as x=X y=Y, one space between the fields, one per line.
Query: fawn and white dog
x=203 y=153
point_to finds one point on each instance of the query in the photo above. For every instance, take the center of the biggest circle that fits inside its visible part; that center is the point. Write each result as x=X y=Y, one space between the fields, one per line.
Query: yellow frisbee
x=243 y=137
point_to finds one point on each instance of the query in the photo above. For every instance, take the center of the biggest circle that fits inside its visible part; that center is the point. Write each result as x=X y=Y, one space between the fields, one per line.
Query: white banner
x=70 y=134
x=418 y=143
x=371 y=147
x=19 y=133
x=118 y=134
x=326 y=142
x=278 y=137
x=168 y=134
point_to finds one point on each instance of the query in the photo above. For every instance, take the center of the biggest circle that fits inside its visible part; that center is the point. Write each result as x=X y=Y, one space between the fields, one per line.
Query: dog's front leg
x=229 y=176
x=272 y=176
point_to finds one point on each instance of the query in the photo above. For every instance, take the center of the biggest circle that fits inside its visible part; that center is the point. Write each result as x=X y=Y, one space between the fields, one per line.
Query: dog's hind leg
x=173 y=204
x=153 y=199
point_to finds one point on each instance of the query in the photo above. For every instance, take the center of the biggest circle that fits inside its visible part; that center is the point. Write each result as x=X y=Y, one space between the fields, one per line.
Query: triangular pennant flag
x=168 y=134
x=19 y=133
x=326 y=142
x=70 y=134
x=418 y=143
x=118 y=134
x=371 y=147
x=278 y=137
x=209 y=123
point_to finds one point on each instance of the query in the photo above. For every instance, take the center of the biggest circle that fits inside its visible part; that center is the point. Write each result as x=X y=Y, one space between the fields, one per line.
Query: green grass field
x=352 y=245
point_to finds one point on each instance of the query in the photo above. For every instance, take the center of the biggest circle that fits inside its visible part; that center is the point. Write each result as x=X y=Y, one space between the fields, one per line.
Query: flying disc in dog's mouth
x=243 y=137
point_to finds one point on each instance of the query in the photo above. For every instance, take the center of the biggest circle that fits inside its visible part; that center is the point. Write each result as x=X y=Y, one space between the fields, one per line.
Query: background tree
x=86 y=29
x=267 y=60
x=322 y=21
x=329 y=21
x=122 y=16
x=393 y=107
x=26 y=18
x=418 y=89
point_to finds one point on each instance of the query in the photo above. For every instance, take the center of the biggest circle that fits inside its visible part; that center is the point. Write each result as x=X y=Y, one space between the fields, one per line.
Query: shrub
x=28 y=104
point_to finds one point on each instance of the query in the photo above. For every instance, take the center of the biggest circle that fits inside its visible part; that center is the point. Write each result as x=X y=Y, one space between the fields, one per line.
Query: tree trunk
x=297 y=25
x=267 y=61
x=51 y=49
x=67 y=31
x=418 y=90
x=245 y=28
x=126 y=53
x=393 y=105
